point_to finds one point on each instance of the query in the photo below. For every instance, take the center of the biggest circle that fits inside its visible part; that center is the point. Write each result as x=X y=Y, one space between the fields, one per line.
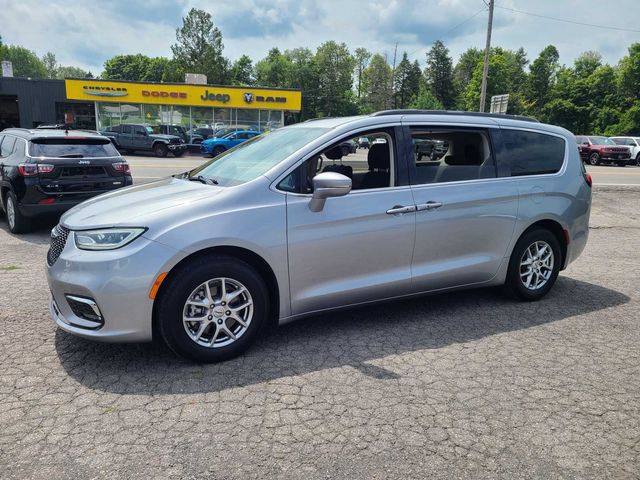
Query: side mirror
x=141 y=133
x=327 y=185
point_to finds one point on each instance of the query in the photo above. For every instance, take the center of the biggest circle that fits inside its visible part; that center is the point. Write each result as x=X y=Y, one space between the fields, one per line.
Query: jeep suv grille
x=59 y=236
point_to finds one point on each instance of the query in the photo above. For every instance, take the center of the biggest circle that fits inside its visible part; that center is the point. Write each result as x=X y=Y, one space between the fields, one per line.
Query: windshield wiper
x=203 y=179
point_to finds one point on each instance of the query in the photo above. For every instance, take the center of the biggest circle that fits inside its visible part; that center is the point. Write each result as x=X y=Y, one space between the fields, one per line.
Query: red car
x=597 y=150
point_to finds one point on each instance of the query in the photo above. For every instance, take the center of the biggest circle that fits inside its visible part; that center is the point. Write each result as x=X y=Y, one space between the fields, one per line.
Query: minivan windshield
x=602 y=141
x=255 y=157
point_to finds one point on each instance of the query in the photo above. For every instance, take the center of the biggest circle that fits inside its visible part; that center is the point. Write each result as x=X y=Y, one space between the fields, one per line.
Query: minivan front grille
x=59 y=236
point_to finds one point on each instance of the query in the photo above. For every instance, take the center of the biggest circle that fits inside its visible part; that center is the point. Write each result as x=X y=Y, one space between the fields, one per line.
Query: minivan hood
x=138 y=205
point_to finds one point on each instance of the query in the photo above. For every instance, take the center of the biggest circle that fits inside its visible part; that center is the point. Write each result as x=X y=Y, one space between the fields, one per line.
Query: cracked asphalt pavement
x=464 y=385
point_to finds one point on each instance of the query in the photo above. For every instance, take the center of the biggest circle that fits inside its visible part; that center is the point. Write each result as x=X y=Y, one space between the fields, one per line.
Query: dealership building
x=100 y=104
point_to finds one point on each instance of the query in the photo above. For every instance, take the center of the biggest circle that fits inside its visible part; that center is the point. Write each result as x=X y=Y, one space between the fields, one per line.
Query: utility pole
x=487 y=48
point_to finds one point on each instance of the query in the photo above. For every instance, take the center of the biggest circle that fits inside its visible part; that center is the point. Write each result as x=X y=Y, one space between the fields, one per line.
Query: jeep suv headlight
x=107 y=238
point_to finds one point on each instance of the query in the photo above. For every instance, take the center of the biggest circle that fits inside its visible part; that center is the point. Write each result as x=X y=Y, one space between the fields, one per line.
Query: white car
x=633 y=143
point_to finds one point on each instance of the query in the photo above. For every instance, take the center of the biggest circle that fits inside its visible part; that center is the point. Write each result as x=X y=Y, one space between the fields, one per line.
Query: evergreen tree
x=439 y=75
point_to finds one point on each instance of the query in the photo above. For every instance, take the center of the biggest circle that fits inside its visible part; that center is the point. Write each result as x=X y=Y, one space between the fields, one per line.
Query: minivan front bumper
x=118 y=281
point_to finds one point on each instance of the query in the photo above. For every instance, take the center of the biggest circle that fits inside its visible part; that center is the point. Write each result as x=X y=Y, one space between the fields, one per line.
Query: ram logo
x=248 y=97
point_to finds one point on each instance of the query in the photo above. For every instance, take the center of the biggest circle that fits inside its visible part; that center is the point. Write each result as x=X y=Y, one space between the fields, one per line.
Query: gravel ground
x=466 y=385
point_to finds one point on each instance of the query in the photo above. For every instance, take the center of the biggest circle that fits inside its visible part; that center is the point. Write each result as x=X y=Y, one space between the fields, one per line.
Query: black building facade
x=27 y=103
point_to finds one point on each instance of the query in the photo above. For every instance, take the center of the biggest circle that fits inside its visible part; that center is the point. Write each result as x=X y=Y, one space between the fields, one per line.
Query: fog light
x=85 y=308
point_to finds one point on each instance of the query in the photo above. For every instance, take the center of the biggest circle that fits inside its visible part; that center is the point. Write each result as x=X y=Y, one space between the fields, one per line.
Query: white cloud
x=87 y=33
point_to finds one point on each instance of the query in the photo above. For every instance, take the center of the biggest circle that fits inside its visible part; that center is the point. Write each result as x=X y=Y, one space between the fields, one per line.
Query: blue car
x=215 y=146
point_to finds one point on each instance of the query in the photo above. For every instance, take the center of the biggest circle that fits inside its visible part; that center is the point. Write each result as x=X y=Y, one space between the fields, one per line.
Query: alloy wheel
x=218 y=312
x=536 y=265
x=11 y=213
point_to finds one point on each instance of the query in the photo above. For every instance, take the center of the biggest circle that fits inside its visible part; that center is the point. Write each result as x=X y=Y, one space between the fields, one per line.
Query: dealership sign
x=183 y=94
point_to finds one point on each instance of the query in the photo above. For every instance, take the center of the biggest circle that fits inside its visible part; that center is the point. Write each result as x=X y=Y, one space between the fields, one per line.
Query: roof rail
x=453 y=113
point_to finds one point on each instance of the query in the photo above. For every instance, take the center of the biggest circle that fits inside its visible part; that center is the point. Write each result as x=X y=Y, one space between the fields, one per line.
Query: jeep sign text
x=215 y=97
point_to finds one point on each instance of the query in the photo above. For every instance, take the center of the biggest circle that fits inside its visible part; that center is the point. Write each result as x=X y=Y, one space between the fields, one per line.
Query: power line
x=569 y=21
x=483 y=9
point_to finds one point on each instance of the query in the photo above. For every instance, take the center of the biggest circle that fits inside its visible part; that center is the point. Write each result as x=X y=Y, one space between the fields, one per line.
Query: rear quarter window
x=72 y=148
x=531 y=153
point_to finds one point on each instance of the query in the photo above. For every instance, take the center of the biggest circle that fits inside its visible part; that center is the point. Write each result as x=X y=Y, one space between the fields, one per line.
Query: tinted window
x=141 y=130
x=72 y=148
x=529 y=153
x=126 y=129
x=443 y=155
x=7 y=146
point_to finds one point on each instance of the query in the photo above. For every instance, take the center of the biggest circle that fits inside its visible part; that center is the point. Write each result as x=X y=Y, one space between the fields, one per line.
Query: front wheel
x=178 y=153
x=534 y=265
x=213 y=309
x=638 y=160
x=594 y=159
x=217 y=151
x=160 y=150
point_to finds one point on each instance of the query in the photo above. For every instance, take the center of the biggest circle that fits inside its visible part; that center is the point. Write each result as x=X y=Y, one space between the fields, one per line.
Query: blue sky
x=86 y=33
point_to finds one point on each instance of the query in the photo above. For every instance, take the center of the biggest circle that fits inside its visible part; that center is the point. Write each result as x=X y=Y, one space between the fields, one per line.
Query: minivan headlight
x=107 y=238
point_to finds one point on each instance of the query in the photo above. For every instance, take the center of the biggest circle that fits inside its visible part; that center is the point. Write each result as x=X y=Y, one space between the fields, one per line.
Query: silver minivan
x=285 y=226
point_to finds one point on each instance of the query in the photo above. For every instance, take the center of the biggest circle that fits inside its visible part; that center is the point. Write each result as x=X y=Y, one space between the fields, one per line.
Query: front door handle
x=429 y=206
x=401 y=210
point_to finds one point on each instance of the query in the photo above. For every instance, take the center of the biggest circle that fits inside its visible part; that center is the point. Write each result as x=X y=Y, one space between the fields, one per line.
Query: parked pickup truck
x=140 y=137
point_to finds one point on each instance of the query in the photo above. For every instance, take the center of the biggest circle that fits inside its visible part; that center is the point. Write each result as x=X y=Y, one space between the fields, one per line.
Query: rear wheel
x=18 y=223
x=160 y=150
x=212 y=309
x=638 y=160
x=534 y=265
x=594 y=159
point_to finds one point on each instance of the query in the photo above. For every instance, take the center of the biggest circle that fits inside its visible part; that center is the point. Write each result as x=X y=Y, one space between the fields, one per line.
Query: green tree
x=541 y=78
x=376 y=85
x=463 y=71
x=139 y=68
x=425 y=100
x=242 y=71
x=25 y=62
x=304 y=75
x=198 y=47
x=335 y=78
x=274 y=70
x=586 y=63
x=439 y=74
x=63 y=72
x=629 y=74
x=50 y=64
x=406 y=82
x=361 y=57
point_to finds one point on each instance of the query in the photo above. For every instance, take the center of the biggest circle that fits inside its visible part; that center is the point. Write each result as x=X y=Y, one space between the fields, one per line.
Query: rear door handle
x=429 y=206
x=401 y=210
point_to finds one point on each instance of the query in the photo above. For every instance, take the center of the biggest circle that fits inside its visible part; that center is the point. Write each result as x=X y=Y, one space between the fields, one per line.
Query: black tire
x=128 y=151
x=160 y=150
x=638 y=160
x=218 y=150
x=622 y=164
x=178 y=153
x=19 y=223
x=184 y=281
x=594 y=159
x=514 y=284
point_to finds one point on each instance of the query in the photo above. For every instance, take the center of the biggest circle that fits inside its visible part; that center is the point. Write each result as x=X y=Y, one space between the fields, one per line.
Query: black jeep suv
x=49 y=171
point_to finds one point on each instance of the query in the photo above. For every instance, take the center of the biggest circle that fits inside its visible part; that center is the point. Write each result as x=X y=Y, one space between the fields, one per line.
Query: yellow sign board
x=182 y=94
